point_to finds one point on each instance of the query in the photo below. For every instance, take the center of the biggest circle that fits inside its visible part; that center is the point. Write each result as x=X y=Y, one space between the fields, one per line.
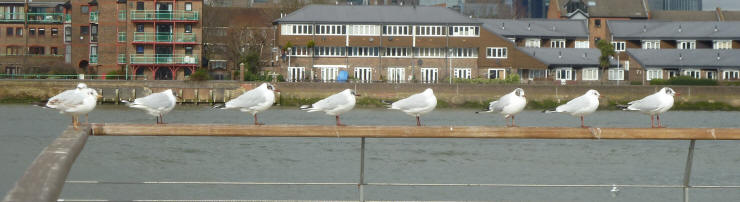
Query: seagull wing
x=498 y=105
x=249 y=99
x=156 y=101
x=66 y=100
x=415 y=101
x=574 y=104
x=647 y=104
x=329 y=103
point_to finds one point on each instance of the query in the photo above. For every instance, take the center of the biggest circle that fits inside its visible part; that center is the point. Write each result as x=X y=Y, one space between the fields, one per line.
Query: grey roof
x=699 y=58
x=667 y=15
x=375 y=14
x=537 y=28
x=610 y=8
x=698 y=30
x=573 y=57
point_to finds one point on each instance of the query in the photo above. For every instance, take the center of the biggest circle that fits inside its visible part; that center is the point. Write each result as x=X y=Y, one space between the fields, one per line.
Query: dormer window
x=574 y=5
x=686 y=44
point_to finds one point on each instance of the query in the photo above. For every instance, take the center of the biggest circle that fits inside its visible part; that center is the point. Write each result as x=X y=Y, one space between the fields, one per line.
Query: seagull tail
x=127 y=102
x=305 y=107
x=623 y=107
x=219 y=106
x=547 y=111
x=42 y=104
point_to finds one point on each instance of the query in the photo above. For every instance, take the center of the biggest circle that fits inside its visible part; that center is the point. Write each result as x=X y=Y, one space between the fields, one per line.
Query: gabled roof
x=566 y=56
x=697 y=30
x=696 y=58
x=610 y=8
x=375 y=14
x=537 y=28
x=666 y=15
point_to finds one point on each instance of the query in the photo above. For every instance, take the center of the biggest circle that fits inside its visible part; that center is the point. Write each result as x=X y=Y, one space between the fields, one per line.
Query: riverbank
x=449 y=96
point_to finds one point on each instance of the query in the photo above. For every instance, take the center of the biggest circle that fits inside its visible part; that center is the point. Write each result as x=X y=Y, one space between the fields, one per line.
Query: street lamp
x=289 y=52
x=449 y=59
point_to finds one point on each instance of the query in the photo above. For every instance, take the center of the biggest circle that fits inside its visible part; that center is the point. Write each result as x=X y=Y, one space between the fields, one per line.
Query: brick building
x=722 y=65
x=597 y=12
x=31 y=37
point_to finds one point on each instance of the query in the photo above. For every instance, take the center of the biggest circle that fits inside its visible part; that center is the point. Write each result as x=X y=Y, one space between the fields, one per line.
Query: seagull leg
x=339 y=123
x=418 y=121
x=582 y=125
x=157 y=117
x=86 y=120
x=257 y=122
x=512 y=121
x=161 y=119
x=74 y=122
x=660 y=124
x=652 y=121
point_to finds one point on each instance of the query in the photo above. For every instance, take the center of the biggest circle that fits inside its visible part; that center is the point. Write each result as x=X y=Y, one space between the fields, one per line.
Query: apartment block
x=717 y=64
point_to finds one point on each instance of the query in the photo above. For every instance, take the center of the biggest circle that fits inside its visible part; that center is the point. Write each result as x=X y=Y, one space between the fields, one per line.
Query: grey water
x=26 y=130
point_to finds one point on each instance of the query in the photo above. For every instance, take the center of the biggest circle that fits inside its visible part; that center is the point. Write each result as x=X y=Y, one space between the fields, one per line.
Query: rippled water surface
x=26 y=130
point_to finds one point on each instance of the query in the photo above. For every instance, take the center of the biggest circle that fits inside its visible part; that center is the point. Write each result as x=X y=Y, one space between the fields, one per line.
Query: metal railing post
x=687 y=173
x=361 y=185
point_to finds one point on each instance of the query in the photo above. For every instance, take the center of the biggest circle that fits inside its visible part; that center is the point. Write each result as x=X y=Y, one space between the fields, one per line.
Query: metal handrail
x=164 y=15
x=164 y=59
x=163 y=37
x=33 y=17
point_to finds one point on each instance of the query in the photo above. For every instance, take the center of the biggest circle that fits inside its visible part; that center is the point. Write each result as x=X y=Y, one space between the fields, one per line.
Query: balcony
x=151 y=15
x=151 y=37
x=37 y=18
x=93 y=17
x=164 y=59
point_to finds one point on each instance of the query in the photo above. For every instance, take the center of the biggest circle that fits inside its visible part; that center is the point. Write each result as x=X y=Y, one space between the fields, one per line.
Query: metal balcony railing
x=93 y=59
x=94 y=17
x=164 y=15
x=163 y=37
x=121 y=58
x=34 y=17
x=164 y=59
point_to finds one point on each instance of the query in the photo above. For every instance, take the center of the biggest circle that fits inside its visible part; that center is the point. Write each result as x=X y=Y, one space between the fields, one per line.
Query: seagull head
x=353 y=92
x=94 y=93
x=519 y=92
x=81 y=86
x=594 y=93
x=670 y=91
x=174 y=93
x=271 y=87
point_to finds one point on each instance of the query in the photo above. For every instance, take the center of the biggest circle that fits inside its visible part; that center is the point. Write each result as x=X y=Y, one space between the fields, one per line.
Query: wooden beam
x=414 y=132
x=44 y=179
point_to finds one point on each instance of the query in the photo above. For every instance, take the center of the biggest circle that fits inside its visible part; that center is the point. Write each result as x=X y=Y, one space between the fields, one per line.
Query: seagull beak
x=99 y=96
x=357 y=95
x=601 y=96
x=678 y=94
x=276 y=90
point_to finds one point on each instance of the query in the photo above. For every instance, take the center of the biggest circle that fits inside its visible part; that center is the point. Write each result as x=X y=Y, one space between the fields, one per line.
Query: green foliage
x=512 y=79
x=704 y=105
x=310 y=44
x=200 y=75
x=287 y=45
x=115 y=74
x=684 y=80
x=607 y=50
x=541 y=104
x=635 y=83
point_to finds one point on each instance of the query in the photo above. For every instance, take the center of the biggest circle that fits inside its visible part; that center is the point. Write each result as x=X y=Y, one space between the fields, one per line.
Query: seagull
x=580 y=106
x=654 y=104
x=81 y=100
x=156 y=104
x=335 y=104
x=509 y=105
x=254 y=101
x=417 y=104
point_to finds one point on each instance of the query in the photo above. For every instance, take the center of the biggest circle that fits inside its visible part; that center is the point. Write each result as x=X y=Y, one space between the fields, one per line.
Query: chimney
x=529 y=26
x=560 y=54
x=718 y=56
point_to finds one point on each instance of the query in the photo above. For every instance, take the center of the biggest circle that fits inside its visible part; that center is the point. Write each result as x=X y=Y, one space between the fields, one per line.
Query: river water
x=26 y=130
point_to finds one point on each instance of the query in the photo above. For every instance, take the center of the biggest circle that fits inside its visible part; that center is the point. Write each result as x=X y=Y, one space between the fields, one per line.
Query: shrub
x=115 y=74
x=684 y=80
x=200 y=75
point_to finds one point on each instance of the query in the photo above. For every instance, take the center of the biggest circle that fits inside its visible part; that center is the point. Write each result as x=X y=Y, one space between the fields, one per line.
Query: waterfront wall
x=455 y=95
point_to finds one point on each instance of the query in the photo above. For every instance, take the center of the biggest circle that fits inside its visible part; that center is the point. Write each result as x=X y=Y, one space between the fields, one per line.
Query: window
x=396 y=74
x=464 y=30
x=139 y=28
x=53 y=51
x=330 y=51
x=396 y=30
x=564 y=74
x=711 y=75
x=362 y=51
x=121 y=15
x=86 y=9
x=537 y=73
x=296 y=29
x=557 y=43
x=694 y=73
x=140 y=5
x=654 y=74
x=464 y=53
x=496 y=52
x=686 y=44
x=429 y=75
x=619 y=46
x=296 y=74
x=396 y=52
x=651 y=44
x=430 y=31
x=19 y=31
x=188 y=6
x=299 y=51
x=93 y=54
x=54 y=31
x=730 y=74
x=462 y=73
x=67 y=33
x=364 y=74
x=139 y=49
x=430 y=52
x=84 y=30
x=42 y=32
x=616 y=74
x=672 y=73
x=534 y=43
x=12 y=50
x=94 y=33
x=597 y=22
x=189 y=50
x=9 y=32
x=36 y=50
x=364 y=30
x=589 y=74
x=582 y=44
x=329 y=73
x=188 y=28
x=722 y=44
x=31 y=32
x=331 y=29
x=496 y=74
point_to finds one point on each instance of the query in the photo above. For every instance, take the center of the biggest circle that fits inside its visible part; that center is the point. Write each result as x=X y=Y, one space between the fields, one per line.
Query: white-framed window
x=711 y=74
x=329 y=73
x=582 y=44
x=396 y=74
x=330 y=51
x=564 y=73
x=693 y=73
x=93 y=54
x=619 y=46
x=650 y=44
x=590 y=74
x=296 y=29
x=616 y=74
x=364 y=74
x=296 y=74
x=364 y=30
x=557 y=43
x=462 y=73
x=396 y=52
x=626 y=65
x=496 y=52
x=672 y=73
x=188 y=6
x=654 y=74
x=722 y=44
x=537 y=73
x=464 y=53
x=362 y=51
x=731 y=74
x=299 y=51
x=464 y=30
x=430 y=31
x=428 y=75
x=686 y=44
x=430 y=52
x=496 y=73
x=533 y=43
x=331 y=30
x=396 y=30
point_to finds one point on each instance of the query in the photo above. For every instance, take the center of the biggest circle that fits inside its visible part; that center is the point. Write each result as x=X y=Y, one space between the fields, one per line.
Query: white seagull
x=156 y=104
x=335 y=104
x=654 y=104
x=580 y=106
x=417 y=104
x=81 y=100
x=509 y=105
x=254 y=101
